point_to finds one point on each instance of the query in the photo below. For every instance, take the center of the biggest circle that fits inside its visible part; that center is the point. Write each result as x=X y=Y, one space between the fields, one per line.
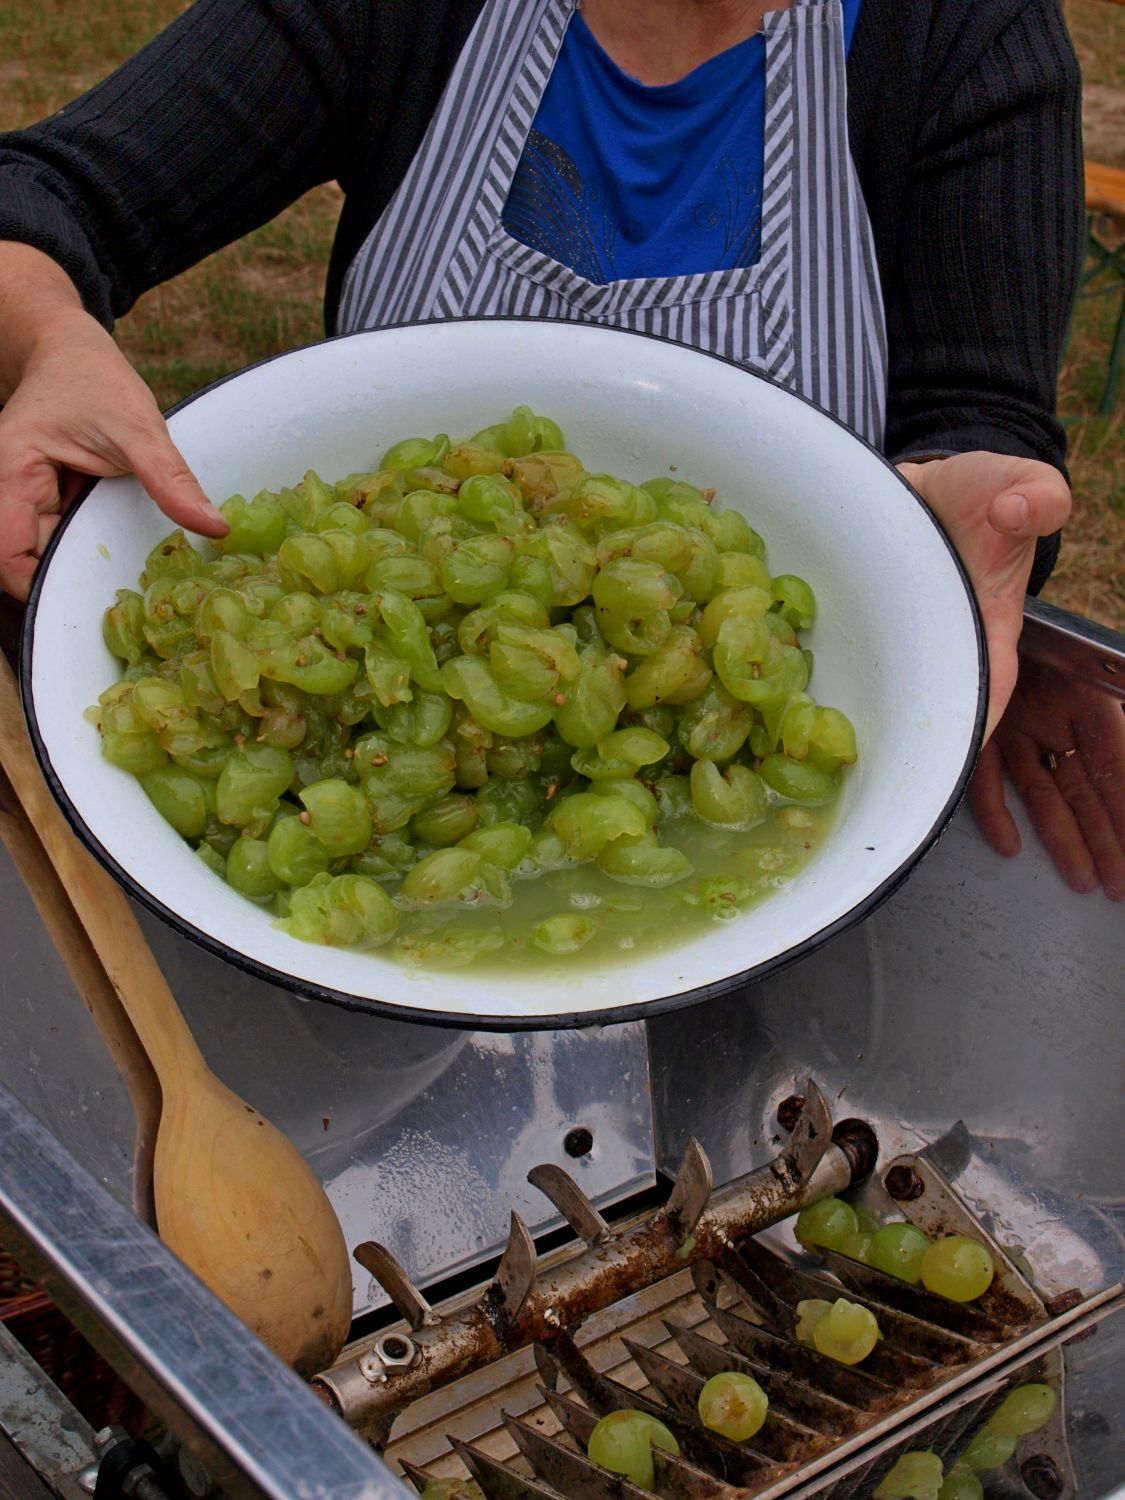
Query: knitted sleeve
x=989 y=251
x=219 y=123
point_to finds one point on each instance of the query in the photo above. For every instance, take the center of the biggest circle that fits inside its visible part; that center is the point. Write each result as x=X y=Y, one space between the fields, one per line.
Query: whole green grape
x=857 y=1246
x=733 y=1404
x=988 y=1450
x=1023 y=1410
x=339 y=816
x=248 y=869
x=179 y=797
x=622 y=1441
x=441 y=877
x=899 y=1250
x=295 y=853
x=641 y=860
x=826 y=1223
x=958 y=1268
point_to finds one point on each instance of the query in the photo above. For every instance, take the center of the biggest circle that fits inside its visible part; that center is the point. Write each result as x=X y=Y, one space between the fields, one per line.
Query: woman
x=877 y=204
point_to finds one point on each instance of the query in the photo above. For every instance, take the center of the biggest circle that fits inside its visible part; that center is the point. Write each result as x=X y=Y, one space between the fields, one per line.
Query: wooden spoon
x=89 y=978
x=234 y=1198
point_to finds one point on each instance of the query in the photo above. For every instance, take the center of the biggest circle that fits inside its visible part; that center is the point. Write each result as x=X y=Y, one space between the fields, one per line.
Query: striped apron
x=809 y=313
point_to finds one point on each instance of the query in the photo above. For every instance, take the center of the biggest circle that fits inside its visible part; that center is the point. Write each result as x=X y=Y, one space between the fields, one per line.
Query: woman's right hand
x=75 y=407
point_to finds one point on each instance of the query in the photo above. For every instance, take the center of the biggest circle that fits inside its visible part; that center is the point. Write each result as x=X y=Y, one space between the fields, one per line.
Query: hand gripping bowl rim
x=562 y=1020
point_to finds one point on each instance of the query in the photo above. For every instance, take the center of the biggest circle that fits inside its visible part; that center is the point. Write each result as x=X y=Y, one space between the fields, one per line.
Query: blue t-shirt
x=619 y=180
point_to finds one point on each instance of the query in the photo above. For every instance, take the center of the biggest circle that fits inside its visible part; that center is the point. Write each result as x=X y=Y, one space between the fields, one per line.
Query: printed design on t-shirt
x=739 y=215
x=553 y=210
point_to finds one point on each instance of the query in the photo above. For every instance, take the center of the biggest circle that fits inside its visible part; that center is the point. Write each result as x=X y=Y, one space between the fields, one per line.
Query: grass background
x=263 y=294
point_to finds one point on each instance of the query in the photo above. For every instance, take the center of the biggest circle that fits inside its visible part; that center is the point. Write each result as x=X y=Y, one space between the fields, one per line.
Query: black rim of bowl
x=563 y=1020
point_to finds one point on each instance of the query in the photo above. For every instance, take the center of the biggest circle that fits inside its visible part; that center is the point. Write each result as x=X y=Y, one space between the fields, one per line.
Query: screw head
x=87 y=1479
x=904 y=1184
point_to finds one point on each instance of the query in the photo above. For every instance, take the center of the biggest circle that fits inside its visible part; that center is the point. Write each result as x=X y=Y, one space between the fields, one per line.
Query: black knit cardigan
x=964 y=120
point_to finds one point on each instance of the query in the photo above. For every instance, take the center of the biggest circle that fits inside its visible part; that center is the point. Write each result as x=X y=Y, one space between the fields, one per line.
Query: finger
x=986 y=800
x=28 y=493
x=1033 y=503
x=1001 y=620
x=1089 y=812
x=1052 y=819
x=16 y=573
x=1101 y=739
x=160 y=467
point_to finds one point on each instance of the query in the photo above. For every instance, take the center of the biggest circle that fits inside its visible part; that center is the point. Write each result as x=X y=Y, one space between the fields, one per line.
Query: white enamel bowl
x=897 y=643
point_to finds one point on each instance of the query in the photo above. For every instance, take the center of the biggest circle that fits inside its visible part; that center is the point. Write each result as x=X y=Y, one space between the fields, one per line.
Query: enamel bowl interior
x=897 y=643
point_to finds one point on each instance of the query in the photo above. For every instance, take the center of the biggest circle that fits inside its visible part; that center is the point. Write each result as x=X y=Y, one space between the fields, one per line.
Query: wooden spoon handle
x=69 y=937
x=100 y=904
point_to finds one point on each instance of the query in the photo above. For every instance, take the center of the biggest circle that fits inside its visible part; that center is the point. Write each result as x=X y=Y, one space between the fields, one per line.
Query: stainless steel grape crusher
x=549 y=1226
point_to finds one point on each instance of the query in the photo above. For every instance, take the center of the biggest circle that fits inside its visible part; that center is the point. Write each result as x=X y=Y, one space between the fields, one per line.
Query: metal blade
x=418 y=1477
x=397 y=1284
x=515 y=1275
x=951 y=1152
x=562 y=1190
x=568 y=1471
x=676 y=1479
x=770 y=1352
x=691 y=1191
x=811 y=1136
x=877 y=1286
x=815 y=1410
x=497 y=1480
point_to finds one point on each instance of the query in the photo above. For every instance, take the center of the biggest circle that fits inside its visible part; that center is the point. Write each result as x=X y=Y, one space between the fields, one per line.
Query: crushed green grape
x=912 y=1476
x=733 y=1404
x=393 y=706
x=843 y=1330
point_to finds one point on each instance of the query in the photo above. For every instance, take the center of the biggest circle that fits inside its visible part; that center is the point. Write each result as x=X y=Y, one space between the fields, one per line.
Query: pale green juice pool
x=749 y=865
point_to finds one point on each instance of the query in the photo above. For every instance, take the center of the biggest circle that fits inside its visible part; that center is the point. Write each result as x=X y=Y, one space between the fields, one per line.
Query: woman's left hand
x=1062 y=744
x=993 y=508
